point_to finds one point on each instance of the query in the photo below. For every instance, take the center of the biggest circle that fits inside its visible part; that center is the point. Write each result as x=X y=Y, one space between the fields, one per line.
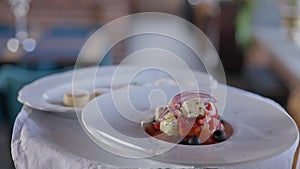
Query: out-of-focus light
x=22 y=35
x=21 y=9
x=29 y=45
x=13 y=44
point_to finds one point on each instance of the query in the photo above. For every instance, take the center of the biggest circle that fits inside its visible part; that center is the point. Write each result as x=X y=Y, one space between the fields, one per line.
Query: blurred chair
x=12 y=79
x=256 y=70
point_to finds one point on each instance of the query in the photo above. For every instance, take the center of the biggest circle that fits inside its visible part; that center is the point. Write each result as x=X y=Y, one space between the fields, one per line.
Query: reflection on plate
x=47 y=93
x=262 y=129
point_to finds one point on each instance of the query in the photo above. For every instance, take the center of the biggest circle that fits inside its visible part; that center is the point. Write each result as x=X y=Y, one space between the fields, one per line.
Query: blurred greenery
x=243 y=23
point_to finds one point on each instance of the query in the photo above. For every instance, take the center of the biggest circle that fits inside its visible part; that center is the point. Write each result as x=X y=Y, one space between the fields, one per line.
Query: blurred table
x=49 y=140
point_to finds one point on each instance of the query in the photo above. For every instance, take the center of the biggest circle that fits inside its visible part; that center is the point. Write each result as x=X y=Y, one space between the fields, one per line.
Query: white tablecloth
x=46 y=140
x=43 y=140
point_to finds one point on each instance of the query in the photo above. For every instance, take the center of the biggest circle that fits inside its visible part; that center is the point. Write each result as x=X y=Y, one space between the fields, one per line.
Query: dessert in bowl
x=190 y=118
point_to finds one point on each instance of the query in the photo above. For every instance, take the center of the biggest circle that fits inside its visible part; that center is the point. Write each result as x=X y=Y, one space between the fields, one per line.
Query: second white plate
x=262 y=129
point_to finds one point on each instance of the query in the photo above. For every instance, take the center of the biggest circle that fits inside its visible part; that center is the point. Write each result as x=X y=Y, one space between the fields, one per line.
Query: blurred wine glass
x=20 y=10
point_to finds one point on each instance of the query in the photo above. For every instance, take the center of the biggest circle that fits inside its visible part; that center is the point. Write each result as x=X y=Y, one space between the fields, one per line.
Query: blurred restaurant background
x=257 y=41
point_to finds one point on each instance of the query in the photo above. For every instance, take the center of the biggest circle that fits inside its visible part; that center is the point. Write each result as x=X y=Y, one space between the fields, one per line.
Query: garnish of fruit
x=191 y=116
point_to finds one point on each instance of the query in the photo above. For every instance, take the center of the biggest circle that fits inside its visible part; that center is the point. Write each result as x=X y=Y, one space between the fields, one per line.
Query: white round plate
x=47 y=93
x=262 y=129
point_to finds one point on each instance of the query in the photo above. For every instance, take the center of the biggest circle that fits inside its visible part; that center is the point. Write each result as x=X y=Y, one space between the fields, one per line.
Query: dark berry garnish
x=194 y=140
x=219 y=135
x=183 y=142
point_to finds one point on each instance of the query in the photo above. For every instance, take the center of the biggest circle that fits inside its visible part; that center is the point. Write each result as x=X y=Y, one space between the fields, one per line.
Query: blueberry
x=194 y=141
x=219 y=135
x=183 y=142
